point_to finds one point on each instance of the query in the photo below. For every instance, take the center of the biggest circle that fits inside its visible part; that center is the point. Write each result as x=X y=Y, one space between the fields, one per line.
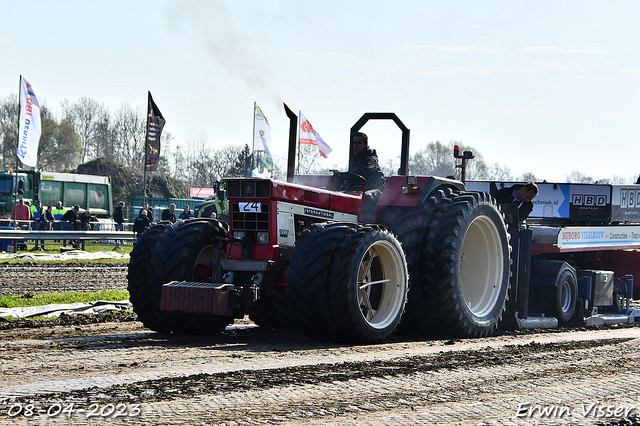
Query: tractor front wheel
x=307 y=292
x=143 y=294
x=369 y=284
x=185 y=252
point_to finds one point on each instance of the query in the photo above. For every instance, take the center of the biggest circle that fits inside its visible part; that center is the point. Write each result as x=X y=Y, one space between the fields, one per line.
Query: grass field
x=22 y=301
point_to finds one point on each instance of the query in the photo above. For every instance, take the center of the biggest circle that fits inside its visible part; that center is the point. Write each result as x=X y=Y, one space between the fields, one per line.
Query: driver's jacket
x=366 y=165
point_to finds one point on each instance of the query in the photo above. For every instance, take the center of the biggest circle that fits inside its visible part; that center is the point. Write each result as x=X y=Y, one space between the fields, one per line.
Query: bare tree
x=9 y=110
x=128 y=133
x=498 y=172
x=59 y=146
x=619 y=179
x=578 y=177
x=528 y=176
x=309 y=160
x=103 y=138
x=85 y=116
x=435 y=159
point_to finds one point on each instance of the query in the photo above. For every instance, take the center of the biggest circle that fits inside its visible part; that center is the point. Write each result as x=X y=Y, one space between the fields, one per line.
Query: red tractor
x=436 y=259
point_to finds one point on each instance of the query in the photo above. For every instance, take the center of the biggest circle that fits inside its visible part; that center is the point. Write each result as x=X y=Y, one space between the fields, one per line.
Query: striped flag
x=309 y=136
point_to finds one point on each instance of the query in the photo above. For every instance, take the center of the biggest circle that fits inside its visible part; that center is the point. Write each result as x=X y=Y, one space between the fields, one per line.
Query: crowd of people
x=35 y=217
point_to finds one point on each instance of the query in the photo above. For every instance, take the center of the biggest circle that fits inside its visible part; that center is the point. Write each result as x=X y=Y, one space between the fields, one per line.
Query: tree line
x=86 y=130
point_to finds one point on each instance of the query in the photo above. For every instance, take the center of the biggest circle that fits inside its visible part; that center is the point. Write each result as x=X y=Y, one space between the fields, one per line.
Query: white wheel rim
x=481 y=266
x=382 y=281
x=565 y=296
x=203 y=259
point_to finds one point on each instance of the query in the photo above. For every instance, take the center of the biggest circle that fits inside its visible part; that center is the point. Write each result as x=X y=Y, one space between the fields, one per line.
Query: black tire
x=308 y=279
x=184 y=252
x=566 y=296
x=410 y=226
x=466 y=265
x=369 y=284
x=142 y=294
x=270 y=310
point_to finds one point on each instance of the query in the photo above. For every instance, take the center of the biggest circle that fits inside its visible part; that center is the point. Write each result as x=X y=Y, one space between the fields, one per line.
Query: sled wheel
x=566 y=296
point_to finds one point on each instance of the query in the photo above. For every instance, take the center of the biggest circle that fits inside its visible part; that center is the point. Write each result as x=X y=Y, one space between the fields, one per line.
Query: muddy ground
x=108 y=369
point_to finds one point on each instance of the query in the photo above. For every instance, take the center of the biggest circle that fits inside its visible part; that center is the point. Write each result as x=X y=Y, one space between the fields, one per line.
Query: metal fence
x=100 y=232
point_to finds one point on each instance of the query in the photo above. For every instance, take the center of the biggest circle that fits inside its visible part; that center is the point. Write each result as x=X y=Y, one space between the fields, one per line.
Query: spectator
x=21 y=213
x=39 y=223
x=47 y=219
x=149 y=211
x=59 y=211
x=520 y=196
x=169 y=213
x=186 y=213
x=141 y=223
x=86 y=219
x=36 y=213
x=45 y=224
x=70 y=221
x=118 y=216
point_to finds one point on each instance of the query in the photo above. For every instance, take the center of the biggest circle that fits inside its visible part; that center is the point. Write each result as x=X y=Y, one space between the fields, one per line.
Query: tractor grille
x=250 y=222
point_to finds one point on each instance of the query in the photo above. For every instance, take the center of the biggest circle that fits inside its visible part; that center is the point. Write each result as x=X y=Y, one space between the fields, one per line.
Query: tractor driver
x=365 y=164
x=520 y=195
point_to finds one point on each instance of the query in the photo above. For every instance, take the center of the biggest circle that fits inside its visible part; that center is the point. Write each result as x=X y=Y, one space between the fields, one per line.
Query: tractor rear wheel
x=466 y=265
x=185 y=252
x=410 y=226
x=307 y=292
x=369 y=284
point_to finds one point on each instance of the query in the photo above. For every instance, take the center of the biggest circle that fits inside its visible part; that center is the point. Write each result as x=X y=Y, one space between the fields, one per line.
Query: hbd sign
x=589 y=200
x=629 y=198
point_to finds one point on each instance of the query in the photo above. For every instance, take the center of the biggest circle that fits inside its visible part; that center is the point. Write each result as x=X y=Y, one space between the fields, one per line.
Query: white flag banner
x=30 y=127
x=261 y=141
x=309 y=136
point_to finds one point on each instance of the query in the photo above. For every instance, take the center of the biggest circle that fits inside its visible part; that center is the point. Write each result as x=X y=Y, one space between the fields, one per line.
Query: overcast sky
x=546 y=86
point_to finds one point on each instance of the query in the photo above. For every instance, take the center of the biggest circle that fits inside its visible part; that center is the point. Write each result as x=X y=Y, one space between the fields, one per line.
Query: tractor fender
x=394 y=192
x=435 y=183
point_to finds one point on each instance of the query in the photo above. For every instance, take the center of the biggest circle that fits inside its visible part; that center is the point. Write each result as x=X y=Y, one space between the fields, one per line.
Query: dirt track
x=38 y=277
x=250 y=375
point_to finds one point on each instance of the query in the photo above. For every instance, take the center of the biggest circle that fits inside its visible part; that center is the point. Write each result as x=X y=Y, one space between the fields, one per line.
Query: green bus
x=88 y=191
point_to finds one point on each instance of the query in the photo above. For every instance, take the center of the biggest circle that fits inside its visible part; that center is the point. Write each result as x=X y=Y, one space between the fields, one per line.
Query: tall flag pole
x=299 y=147
x=309 y=136
x=155 y=124
x=263 y=160
x=29 y=129
x=29 y=125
